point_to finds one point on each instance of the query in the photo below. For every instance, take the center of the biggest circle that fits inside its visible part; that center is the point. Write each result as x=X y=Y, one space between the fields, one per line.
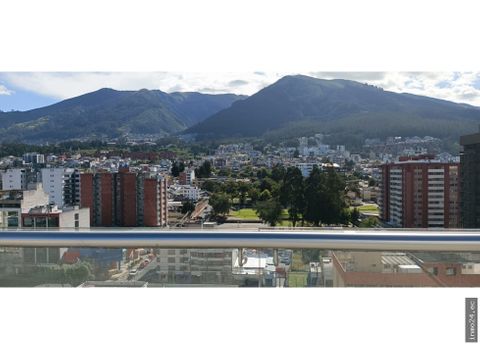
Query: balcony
x=263 y=258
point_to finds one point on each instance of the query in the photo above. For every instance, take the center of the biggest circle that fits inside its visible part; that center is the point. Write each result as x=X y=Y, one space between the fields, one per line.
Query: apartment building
x=14 y=179
x=195 y=266
x=124 y=198
x=57 y=182
x=33 y=158
x=15 y=202
x=187 y=177
x=378 y=269
x=420 y=192
x=470 y=175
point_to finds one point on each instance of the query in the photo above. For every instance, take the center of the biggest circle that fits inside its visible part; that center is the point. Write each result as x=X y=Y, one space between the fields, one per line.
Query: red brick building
x=419 y=192
x=124 y=199
x=86 y=196
x=127 y=198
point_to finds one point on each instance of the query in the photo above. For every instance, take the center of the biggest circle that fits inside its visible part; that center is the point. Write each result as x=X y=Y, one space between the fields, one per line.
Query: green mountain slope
x=300 y=105
x=112 y=113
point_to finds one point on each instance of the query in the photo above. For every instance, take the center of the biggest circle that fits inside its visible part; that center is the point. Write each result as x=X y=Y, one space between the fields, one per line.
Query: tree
x=262 y=173
x=270 y=211
x=254 y=194
x=220 y=203
x=265 y=195
x=187 y=207
x=315 y=197
x=324 y=197
x=177 y=168
x=355 y=217
x=205 y=170
x=292 y=194
x=224 y=172
x=354 y=187
x=231 y=188
x=349 y=165
x=278 y=173
x=335 y=190
x=369 y=222
x=210 y=186
x=243 y=189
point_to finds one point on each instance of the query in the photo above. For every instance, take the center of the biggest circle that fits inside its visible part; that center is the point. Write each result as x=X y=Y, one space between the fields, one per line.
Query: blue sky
x=14 y=98
x=28 y=90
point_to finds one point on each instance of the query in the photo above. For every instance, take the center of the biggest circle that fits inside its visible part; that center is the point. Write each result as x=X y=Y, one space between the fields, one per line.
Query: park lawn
x=297 y=279
x=247 y=214
x=285 y=223
x=368 y=208
x=250 y=214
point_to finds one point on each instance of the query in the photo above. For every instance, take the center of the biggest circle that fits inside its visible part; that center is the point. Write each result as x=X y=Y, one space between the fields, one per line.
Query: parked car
x=132 y=273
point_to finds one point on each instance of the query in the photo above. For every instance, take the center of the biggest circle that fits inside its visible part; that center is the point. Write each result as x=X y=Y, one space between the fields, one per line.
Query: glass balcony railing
x=280 y=258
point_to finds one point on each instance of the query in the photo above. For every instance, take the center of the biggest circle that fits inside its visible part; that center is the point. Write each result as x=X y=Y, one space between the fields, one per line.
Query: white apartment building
x=14 y=179
x=186 y=191
x=54 y=181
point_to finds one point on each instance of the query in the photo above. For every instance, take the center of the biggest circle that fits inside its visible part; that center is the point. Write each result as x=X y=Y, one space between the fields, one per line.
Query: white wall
x=13 y=179
x=53 y=183
x=67 y=218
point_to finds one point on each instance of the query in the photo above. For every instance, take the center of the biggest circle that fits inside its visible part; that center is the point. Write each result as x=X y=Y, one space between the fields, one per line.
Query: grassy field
x=250 y=214
x=297 y=279
x=247 y=214
x=368 y=208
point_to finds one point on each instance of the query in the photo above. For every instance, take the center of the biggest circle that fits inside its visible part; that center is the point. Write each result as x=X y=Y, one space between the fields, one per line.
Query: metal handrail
x=387 y=240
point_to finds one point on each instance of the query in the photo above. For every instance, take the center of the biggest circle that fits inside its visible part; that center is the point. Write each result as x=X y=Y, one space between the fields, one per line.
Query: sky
x=29 y=90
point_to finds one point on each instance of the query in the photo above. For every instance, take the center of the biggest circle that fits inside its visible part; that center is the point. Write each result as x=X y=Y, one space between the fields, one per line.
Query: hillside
x=300 y=105
x=111 y=113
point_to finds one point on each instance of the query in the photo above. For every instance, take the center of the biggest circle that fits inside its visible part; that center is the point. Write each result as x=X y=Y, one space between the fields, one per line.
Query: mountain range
x=348 y=110
x=112 y=113
x=293 y=106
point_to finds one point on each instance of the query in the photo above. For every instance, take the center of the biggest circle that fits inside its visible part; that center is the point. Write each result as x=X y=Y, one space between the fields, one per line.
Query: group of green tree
x=315 y=200
x=203 y=171
x=64 y=274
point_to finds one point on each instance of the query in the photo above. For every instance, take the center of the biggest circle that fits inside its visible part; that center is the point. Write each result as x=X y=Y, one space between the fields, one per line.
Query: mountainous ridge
x=294 y=106
x=338 y=106
x=108 y=112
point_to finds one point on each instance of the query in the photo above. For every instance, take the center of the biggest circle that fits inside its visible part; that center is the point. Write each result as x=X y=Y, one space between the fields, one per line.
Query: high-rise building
x=124 y=198
x=14 y=179
x=57 y=182
x=420 y=192
x=33 y=158
x=187 y=177
x=470 y=175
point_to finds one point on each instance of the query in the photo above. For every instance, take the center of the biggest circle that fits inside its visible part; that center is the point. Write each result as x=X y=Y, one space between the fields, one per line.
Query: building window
x=451 y=271
x=76 y=217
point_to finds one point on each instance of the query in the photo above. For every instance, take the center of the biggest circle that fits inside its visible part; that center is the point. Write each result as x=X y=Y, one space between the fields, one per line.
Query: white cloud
x=67 y=85
x=5 y=91
x=458 y=87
